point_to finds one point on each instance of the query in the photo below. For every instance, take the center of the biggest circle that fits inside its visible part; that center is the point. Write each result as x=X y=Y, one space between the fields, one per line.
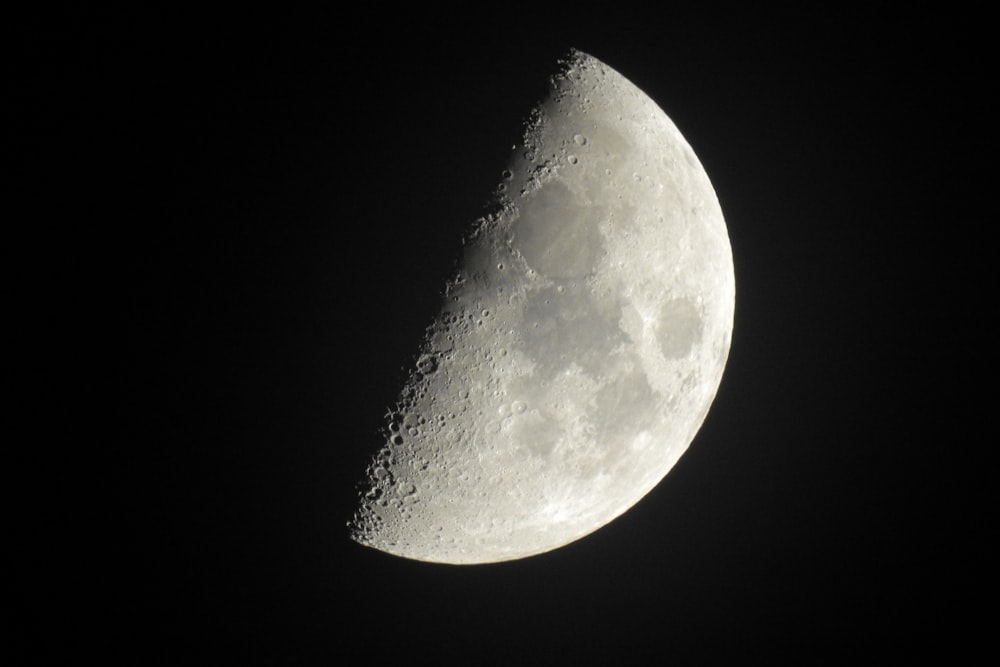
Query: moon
x=580 y=343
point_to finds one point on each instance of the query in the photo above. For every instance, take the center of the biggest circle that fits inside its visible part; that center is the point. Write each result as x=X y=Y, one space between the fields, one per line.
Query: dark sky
x=237 y=225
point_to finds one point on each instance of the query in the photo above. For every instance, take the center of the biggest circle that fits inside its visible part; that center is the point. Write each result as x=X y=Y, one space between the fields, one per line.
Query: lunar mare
x=579 y=345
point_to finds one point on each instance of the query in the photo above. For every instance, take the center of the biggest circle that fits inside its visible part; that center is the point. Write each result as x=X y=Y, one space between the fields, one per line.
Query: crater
x=558 y=237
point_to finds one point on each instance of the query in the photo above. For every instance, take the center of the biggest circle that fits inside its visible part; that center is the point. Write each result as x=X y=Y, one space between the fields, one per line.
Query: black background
x=229 y=230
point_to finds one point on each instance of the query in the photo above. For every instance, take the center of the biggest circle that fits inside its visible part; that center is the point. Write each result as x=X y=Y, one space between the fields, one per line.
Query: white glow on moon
x=578 y=348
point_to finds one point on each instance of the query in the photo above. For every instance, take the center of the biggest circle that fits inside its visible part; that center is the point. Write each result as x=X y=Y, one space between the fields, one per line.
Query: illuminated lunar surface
x=579 y=345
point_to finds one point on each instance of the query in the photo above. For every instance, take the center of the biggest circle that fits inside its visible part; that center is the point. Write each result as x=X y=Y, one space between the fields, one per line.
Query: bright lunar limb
x=579 y=345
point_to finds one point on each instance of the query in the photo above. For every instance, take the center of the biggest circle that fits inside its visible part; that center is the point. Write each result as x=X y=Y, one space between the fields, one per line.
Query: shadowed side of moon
x=578 y=348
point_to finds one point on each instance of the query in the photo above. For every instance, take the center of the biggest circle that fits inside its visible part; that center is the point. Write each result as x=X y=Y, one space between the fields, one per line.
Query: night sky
x=232 y=229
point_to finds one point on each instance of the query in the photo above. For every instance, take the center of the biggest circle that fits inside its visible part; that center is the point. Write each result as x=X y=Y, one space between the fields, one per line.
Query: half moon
x=579 y=345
